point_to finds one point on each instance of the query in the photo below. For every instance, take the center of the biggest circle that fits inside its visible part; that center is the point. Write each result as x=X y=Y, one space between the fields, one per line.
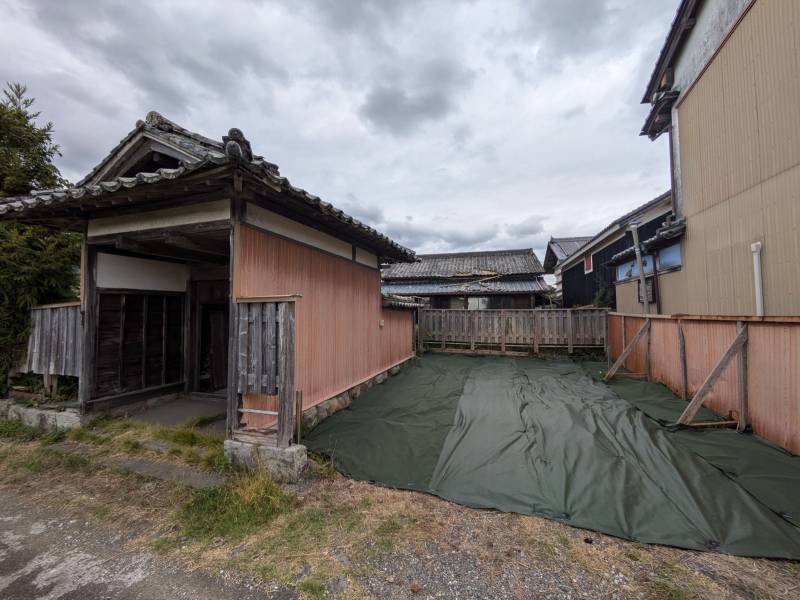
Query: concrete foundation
x=314 y=415
x=41 y=418
x=283 y=464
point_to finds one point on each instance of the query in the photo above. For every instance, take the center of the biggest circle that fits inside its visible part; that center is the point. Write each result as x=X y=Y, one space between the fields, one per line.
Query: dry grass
x=336 y=527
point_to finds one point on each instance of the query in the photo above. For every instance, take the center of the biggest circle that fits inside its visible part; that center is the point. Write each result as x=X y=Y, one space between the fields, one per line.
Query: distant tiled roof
x=234 y=149
x=467 y=265
x=465 y=288
x=560 y=248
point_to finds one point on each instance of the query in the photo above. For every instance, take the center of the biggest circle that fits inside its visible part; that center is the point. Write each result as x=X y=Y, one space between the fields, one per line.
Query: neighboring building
x=725 y=90
x=474 y=280
x=205 y=270
x=589 y=276
x=559 y=249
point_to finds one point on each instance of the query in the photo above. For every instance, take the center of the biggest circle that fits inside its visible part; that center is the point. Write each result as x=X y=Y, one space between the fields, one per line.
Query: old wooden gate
x=264 y=372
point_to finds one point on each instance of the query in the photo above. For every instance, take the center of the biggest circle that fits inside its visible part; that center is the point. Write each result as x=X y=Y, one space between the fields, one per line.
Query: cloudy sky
x=448 y=125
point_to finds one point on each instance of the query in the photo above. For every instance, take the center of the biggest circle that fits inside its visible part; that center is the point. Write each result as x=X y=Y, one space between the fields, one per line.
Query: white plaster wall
x=126 y=272
x=714 y=22
x=205 y=212
x=366 y=258
x=270 y=221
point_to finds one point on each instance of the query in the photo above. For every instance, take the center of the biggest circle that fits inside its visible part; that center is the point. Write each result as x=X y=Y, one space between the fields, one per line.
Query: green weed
x=16 y=431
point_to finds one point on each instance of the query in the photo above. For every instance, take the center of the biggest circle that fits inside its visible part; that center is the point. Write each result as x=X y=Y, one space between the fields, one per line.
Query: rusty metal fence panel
x=772 y=372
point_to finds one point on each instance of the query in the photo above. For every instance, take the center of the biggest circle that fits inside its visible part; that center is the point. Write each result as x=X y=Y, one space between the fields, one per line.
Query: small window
x=669 y=257
x=587 y=264
x=630 y=269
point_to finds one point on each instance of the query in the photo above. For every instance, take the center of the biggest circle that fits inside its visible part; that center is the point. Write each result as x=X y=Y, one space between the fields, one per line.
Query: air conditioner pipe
x=758 y=279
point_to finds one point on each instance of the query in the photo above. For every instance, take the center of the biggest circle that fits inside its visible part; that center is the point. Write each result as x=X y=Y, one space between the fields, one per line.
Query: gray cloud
x=428 y=92
x=482 y=120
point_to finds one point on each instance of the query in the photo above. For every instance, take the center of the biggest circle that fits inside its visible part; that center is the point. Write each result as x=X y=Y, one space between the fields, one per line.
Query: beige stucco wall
x=628 y=298
x=739 y=134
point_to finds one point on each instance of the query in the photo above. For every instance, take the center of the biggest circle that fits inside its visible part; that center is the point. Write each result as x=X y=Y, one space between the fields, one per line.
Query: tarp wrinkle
x=548 y=438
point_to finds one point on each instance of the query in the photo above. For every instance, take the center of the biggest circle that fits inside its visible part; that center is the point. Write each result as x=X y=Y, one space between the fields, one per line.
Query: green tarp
x=544 y=437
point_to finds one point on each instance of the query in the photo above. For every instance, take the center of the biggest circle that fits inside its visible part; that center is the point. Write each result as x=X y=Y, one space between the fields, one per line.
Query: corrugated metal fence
x=55 y=341
x=773 y=366
x=513 y=330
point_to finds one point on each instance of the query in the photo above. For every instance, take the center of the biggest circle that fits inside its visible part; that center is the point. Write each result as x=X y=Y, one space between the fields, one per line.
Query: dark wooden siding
x=139 y=341
x=579 y=289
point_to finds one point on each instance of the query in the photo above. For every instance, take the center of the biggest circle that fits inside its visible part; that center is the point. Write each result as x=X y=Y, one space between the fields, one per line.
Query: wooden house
x=724 y=90
x=558 y=250
x=471 y=280
x=591 y=276
x=205 y=271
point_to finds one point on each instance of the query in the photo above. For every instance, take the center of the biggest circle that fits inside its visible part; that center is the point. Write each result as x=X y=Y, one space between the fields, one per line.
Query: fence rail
x=55 y=340
x=683 y=351
x=513 y=330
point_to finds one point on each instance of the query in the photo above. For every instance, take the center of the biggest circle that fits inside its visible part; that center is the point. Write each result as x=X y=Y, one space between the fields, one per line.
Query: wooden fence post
x=536 y=332
x=741 y=378
x=472 y=316
x=443 y=315
x=644 y=329
x=502 y=330
x=570 y=341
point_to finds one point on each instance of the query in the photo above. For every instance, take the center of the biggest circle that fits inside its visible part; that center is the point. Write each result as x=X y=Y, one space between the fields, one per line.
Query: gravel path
x=46 y=556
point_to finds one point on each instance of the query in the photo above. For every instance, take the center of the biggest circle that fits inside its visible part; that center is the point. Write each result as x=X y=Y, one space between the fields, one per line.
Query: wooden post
x=682 y=355
x=233 y=319
x=472 y=316
x=647 y=353
x=121 y=357
x=741 y=379
x=645 y=328
x=285 y=373
x=443 y=315
x=502 y=330
x=536 y=332
x=570 y=340
x=89 y=309
x=608 y=343
x=697 y=401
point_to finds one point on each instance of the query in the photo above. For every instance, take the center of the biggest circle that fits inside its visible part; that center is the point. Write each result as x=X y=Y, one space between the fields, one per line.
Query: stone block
x=283 y=464
x=46 y=419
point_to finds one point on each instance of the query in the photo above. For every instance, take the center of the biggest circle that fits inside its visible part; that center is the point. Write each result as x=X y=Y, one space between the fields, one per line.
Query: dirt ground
x=333 y=537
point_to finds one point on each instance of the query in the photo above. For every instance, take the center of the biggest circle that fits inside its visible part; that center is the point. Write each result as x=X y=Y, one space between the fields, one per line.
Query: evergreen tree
x=37 y=265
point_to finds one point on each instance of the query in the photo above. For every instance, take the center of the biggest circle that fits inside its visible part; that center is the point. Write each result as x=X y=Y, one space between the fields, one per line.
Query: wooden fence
x=513 y=330
x=765 y=378
x=264 y=387
x=55 y=341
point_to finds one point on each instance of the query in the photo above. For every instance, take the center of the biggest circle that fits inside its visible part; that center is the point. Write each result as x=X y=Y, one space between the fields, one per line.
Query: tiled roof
x=206 y=153
x=560 y=248
x=465 y=288
x=467 y=264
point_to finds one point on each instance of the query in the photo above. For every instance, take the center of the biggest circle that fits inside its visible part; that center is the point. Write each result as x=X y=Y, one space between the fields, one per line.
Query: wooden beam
x=181 y=241
x=741 y=380
x=711 y=424
x=682 y=358
x=644 y=329
x=286 y=347
x=89 y=276
x=697 y=401
x=162 y=251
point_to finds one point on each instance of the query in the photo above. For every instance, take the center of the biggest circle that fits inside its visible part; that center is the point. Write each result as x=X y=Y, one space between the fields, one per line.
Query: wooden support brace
x=644 y=329
x=741 y=380
x=682 y=355
x=697 y=401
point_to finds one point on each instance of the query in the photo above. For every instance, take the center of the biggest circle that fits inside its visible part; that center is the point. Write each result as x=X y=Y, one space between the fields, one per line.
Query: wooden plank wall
x=517 y=328
x=55 y=341
x=773 y=377
x=339 y=338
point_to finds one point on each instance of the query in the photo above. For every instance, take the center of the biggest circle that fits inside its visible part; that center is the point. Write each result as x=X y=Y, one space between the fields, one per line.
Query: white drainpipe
x=756 y=250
